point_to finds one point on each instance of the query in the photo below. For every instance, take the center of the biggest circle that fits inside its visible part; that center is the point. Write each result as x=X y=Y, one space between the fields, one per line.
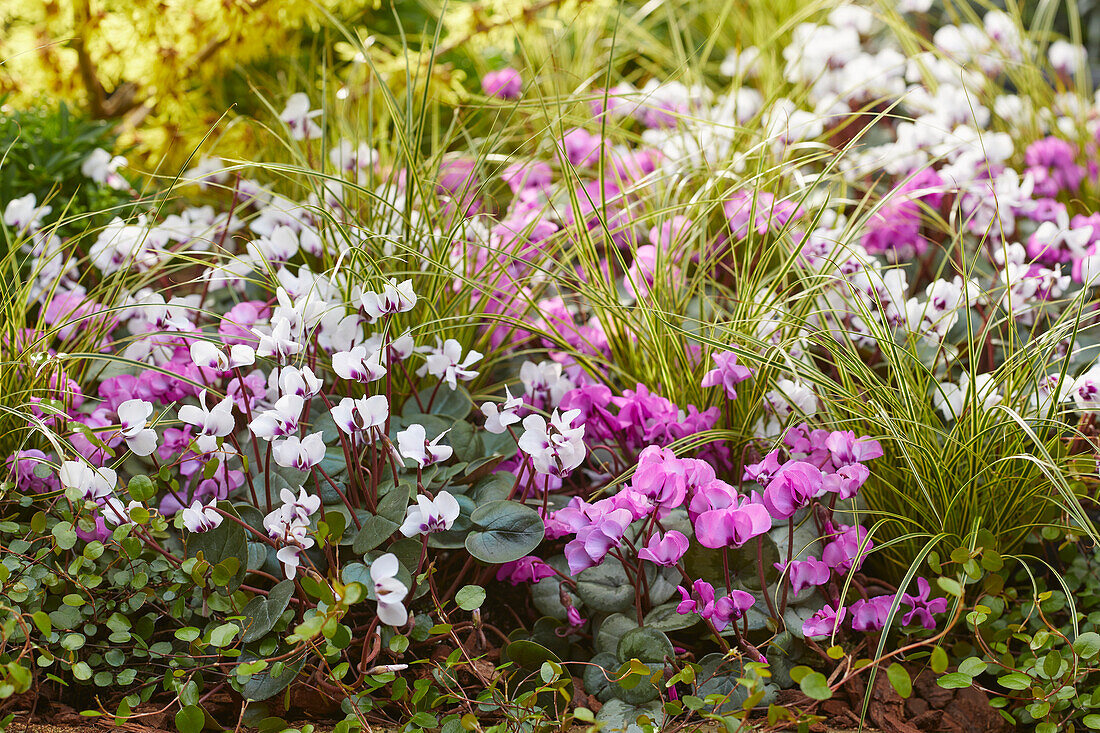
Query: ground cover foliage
x=751 y=381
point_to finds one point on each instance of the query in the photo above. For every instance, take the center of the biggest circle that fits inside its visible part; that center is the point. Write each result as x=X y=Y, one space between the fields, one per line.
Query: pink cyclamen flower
x=803 y=574
x=504 y=83
x=595 y=540
x=844 y=551
x=524 y=570
x=870 y=614
x=921 y=607
x=845 y=448
x=665 y=550
x=824 y=623
x=661 y=476
x=727 y=374
x=791 y=488
x=733 y=525
x=720 y=610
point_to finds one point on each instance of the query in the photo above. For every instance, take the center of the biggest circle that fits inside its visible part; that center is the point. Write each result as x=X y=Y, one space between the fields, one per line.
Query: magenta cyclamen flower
x=504 y=84
x=844 y=550
x=870 y=614
x=733 y=525
x=661 y=476
x=524 y=570
x=803 y=574
x=824 y=623
x=845 y=448
x=791 y=488
x=665 y=550
x=727 y=374
x=922 y=607
x=719 y=611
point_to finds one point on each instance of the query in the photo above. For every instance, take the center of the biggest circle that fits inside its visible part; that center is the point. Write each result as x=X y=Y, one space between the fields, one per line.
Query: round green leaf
x=816 y=686
x=504 y=531
x=190 y=719
x=470 y=597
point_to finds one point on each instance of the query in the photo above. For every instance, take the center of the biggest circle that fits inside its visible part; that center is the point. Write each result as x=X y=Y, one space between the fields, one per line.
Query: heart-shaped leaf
x=504 y=531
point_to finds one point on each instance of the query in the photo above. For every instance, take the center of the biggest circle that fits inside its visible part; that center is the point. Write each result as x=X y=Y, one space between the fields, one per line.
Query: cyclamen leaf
x=261 y=614
x=504 y=531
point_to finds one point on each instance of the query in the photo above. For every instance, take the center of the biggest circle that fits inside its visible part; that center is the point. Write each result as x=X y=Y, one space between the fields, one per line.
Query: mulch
x=930 y=709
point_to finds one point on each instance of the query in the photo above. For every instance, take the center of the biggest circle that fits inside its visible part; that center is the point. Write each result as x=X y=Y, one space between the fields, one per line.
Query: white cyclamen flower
x=216 y=421
x=299 y=117
x=430 y=515
x=394 y=298
x=353 y=415
x=497 y=419
x=448 y=365
x=389 y=591
x=300 y=382
x=555 y=448
x=302 y=454
x=280 y=421
x=25 y=213
x=201 y=517
x=94 y=484
x=356 y=364
x=413 y=444
x=134 y=416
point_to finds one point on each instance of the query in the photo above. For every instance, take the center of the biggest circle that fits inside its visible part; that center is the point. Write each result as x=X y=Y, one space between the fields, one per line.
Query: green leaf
x=272 y=681
x=646 y=645
x=950 y=586
x=955 y=681
x=816 y=686
x=900 y=679
x=261 y=614
x=939 y=660
x=1091 y=721
x=1015 y=681
x=530 y=654
x=606 y=588
x=972 y=666
x=470 y=597
x=504 y=531
x=1087 y=645
x=227 y=540
x=224 y=634
x=376 y=529
x=190 y=719
x=454 y=403
x=142 y=488
x=65 y=535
